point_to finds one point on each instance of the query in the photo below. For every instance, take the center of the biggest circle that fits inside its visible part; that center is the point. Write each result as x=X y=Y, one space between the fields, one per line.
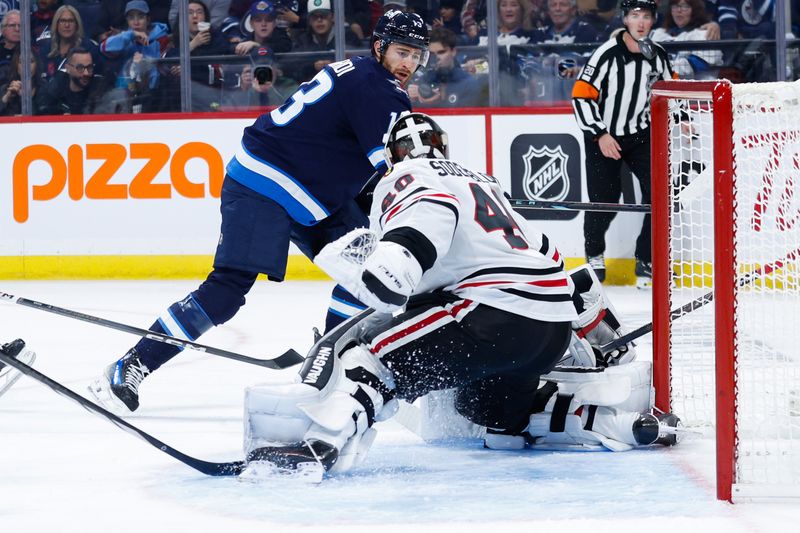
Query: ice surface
x=63 y=469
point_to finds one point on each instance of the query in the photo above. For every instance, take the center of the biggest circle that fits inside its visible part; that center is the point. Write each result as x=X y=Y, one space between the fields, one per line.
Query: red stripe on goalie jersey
x=418 y=326
x=540 y=283
x=408 y=202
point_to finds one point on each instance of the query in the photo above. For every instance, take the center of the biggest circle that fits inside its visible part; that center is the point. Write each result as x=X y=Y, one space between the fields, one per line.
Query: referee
x=611 y=100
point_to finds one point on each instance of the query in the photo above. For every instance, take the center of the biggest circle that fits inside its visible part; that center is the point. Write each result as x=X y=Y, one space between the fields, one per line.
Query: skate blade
x=9 y=375
x=264 y=471
x=100 y=390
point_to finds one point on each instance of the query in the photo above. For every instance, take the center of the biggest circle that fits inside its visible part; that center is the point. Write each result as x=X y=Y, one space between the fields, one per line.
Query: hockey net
x=726 y=235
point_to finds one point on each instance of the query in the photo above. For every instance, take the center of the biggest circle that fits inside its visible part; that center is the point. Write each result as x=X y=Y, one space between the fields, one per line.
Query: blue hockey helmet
x=396 y=26
x=415 y=135
x=629 y=5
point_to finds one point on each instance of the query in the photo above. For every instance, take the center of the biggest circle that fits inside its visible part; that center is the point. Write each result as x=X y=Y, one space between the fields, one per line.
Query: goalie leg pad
x=336 y=405
x=606 y=407
x=363 y=397
x=579 y=354
x=626 y=387
x=598 y=322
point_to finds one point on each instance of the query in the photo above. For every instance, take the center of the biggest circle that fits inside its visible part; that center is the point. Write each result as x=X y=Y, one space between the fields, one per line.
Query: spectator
x=42 y=17
x=449 y=16
x=66 y=32
x=287 y=14
x=319 y=37
x=565 y=25
x=218 y=10
x=112 y=17
x=473 y=13
x=11 y=93
x=513 y=25
x=91 y=12
x=549 y=76
x=513 y=29
x=683 y=23
x=746 y=19
x=137 y=47
x=76 y=90
x=446 y=84
x=261 y=19
x=254 y=94
x=207 y=78
x=9 y=43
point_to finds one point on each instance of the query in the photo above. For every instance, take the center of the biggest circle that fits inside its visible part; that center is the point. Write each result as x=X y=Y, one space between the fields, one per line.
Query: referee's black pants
x=604 y=184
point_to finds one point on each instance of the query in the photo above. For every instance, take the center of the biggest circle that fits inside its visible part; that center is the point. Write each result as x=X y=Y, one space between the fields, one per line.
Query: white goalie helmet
x=415 y=135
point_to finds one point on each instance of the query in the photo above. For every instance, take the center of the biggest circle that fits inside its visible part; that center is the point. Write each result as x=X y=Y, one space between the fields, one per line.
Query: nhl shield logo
x=545 y=173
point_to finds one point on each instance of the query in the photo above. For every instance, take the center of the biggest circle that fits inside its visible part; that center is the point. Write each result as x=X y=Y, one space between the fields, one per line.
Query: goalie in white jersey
x=488 y=309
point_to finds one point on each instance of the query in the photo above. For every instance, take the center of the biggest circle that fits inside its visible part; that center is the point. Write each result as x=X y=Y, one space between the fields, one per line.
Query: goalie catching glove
x=382 y=274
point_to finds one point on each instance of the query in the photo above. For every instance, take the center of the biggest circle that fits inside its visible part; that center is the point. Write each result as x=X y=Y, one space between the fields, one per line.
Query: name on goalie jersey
x=448 y=168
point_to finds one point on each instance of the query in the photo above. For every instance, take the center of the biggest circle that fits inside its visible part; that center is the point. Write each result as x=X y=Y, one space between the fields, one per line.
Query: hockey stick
x=518 y=203
x=699 y=302
x=285 y=360
x=232 y=468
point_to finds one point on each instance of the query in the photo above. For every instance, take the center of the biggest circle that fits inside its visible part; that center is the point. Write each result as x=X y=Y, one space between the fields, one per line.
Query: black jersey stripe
x=539 y=296
x=515 y=271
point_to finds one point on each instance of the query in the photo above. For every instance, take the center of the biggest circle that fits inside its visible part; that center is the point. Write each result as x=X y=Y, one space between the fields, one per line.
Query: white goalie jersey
x=481 y=249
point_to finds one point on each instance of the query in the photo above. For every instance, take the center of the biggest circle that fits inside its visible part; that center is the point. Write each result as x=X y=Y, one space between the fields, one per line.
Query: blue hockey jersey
x=322 y=145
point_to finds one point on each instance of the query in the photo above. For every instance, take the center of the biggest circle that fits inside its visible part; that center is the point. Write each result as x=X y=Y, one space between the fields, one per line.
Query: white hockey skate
x=8 y=374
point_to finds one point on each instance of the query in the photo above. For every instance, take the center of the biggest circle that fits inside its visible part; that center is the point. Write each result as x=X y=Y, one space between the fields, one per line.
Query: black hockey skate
x=306 y=461
x=118 y=388
x=657 y=428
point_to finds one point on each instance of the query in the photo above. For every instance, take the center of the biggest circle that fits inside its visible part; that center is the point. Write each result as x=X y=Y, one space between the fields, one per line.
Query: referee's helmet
x=413 y=136
x=629 y=5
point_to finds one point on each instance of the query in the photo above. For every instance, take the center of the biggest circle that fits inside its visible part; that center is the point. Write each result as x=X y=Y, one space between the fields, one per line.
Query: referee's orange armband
x=583 y=89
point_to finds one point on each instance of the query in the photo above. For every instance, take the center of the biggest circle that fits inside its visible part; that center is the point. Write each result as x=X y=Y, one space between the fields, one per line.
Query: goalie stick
x=231 y=468
x=699 y=302
x=518 y=203
x=285 y=360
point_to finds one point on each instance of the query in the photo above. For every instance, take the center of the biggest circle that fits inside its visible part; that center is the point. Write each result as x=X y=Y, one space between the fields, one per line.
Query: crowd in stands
x=112 y=56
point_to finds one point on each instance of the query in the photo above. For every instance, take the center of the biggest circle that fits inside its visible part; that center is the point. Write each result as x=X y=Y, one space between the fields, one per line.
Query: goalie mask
x=414 y=136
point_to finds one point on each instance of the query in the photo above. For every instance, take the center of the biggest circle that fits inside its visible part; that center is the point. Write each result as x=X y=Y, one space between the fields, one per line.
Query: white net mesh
x=766 y=152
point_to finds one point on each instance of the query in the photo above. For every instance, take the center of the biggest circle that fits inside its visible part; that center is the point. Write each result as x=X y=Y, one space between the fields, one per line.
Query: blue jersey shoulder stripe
x=277 y=185
x=376 y=156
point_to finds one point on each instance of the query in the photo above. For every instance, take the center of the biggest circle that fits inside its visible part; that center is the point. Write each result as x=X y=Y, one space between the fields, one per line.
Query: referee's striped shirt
x=612 y=93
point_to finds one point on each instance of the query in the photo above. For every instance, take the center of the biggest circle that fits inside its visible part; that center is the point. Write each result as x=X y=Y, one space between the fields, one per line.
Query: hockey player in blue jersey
x=294 y=178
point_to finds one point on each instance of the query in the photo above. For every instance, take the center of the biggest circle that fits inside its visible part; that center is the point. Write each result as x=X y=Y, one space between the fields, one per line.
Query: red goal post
x=726 y=226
